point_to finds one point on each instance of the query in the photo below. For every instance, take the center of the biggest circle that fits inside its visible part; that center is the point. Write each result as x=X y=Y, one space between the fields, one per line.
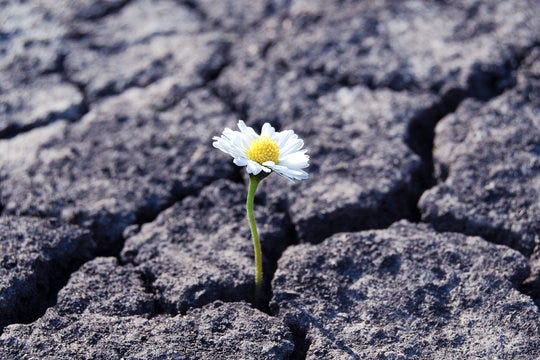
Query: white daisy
x=270 y=151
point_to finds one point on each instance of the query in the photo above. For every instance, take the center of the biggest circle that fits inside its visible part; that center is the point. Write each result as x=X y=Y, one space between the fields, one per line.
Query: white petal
x=232 y=142
x=227 y=146
x=290 y=174
x=283 y=136
x=247 y=131
x=222 y=145
x=267 y=130
x=293 y=144
x=253 y=167
x=240 y=161
x=296 y=160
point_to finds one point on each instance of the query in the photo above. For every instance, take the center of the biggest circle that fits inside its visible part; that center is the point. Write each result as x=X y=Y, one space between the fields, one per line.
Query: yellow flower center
x=263 y=149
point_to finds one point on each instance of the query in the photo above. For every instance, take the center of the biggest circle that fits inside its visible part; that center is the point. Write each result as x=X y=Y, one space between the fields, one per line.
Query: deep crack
x=482 y=86
x=143 y=216
x=49 y=284
x=273 y=259
x=160 y=308
x=300 y=341
x=420 y=133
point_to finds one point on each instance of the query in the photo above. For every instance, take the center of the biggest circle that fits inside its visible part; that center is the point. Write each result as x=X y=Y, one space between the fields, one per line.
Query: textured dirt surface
x=407 y=292
x=123 y=232
x=351 y=156
x=37 y=255
x=128 y=159
x=488 y=161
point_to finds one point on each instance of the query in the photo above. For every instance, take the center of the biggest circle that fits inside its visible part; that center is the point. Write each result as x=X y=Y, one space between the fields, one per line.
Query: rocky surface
x=217 y=331
x=52 y=99
x=196 y=251
x=451 y=48
x=489 y=168
x=323 y=62
x=407 y=292
x=31 y=43
x=106 y=310
x=362 y=156
x=107 y=110
x=31 y=50
x=238 y=16
x=127 y=158
x=118 y=53
x=36 y=257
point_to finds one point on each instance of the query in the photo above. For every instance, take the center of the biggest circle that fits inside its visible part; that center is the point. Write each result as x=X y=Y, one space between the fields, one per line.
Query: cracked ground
x=123 y=232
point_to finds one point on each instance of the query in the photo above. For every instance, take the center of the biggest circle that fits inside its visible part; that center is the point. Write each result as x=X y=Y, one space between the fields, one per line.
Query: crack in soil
x=420 y=138
x=194 y=7
x=300 y=341
x=482 y=86
x=208 y=77
x=143 y=215
x=60 y=274
x=79 y=109
x=93 y=13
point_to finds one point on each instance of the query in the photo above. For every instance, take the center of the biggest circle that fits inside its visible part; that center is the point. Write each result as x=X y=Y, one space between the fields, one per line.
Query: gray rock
x=492 y=166
x=492 y=185
x=489 y=169
x=20 y=152
x=407 y=292
x=117 y=52
x=52 y=99
x=237 y=15
x=108 y=311
x=217 y=331
x=425 y=45
x=456 y=49
x=137 y=22
x=193 y=58
x=200 y=249
x=102 y=286
x=31 y=42
x=362 y=173
x=71 y=11
x=127 y=159
x=32 y=91
x=276 y=95
x=36 y=257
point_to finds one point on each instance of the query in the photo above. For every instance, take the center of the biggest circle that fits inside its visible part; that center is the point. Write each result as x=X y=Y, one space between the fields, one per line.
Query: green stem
x=253 y=183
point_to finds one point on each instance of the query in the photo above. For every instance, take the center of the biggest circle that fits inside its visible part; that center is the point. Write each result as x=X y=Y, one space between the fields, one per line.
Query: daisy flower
x=278 y=151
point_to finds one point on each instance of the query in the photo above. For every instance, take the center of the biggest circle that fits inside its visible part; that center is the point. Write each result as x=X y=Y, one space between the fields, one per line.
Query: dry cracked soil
x=123 y=232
